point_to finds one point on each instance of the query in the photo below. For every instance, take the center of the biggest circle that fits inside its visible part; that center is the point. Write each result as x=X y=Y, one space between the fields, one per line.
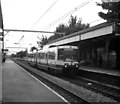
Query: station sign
x=4 y=50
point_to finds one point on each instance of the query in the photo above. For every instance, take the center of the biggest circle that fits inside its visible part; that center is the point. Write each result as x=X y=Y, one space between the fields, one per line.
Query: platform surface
x=0 y=73
x=100 y=70
x=19 y=86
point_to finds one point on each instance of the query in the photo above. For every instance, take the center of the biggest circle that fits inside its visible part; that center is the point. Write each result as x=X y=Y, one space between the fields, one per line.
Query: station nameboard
x=4 y=49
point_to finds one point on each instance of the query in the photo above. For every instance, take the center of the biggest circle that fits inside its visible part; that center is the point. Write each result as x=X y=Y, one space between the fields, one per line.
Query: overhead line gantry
x=16 y=30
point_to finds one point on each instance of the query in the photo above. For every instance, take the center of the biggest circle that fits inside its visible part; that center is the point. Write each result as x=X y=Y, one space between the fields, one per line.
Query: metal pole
x=33 y=31
x=107 y=43
x=3 y=42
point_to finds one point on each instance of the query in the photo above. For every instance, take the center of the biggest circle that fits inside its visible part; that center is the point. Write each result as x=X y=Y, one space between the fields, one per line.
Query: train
x=55 y=59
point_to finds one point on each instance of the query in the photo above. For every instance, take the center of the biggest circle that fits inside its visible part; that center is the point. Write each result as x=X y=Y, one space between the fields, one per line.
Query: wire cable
x=94 y=21
x=40 y=18
x=61 y=18
x=69 y=13
x=44 y=14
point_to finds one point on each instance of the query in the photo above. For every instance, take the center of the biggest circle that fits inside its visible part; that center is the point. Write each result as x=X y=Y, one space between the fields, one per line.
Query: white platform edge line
x=44 y=84
x=0 y=74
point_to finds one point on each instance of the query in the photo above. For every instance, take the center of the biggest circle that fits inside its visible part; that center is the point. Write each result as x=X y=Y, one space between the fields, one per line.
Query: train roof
x=68 y=46
x=47 y=47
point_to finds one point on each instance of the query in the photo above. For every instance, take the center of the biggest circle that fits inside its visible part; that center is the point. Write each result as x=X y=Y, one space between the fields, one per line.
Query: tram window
x=60 y=54
x=75 y=54
x=45 y=57
x=41 y=55
x=67 y=53
x=51 y=55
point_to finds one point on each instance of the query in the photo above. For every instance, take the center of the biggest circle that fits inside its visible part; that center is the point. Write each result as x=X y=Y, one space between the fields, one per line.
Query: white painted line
x=0 y=74
x=44 y=84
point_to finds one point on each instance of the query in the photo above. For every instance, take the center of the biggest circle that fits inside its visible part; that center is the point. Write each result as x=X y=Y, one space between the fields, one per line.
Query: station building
x=98 y=45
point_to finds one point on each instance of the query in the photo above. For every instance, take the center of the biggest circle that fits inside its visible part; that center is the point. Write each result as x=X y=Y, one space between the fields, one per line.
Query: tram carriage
x=56 y=59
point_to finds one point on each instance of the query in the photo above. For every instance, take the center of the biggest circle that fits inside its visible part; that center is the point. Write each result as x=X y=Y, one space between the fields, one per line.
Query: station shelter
x=98 y=45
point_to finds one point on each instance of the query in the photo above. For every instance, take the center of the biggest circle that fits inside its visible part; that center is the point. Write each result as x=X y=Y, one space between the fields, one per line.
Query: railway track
x=71 y=97
x=106 y=90
x=79 y=81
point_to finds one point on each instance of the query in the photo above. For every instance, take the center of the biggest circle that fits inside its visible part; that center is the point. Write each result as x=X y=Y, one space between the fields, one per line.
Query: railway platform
x=100 y=70
x=19 y=86
x=110 y=77
x=0 y=84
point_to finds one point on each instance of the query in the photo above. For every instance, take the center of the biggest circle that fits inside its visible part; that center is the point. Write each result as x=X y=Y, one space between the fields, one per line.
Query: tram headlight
x=76 y=65
x=66 y=65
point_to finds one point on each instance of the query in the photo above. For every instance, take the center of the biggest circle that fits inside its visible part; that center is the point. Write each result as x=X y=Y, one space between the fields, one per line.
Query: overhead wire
x=67 y=14
x=41 y=17
x=94 y=21
x=61 y=18
x=44 y=13
x=21 y=38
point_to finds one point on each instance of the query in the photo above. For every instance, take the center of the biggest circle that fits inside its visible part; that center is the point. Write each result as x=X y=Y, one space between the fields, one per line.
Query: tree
x=72 y=21
x=43 y=41
x=112 y=15
x=51 y=38
x=33 y=48
x=21 y=54
x=13 y=55
x=61 y=28
x=74 y=25
x=113 y=11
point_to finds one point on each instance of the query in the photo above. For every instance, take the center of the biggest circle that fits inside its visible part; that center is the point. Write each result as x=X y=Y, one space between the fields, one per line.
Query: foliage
x=21 y=54
x=74 y=25
x=113 y=11
x=43 y=41
x=13 y=55
x=33 y=48
x=61 y=28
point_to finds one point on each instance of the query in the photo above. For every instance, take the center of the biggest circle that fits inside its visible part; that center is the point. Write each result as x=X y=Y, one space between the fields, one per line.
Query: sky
x=41 y=15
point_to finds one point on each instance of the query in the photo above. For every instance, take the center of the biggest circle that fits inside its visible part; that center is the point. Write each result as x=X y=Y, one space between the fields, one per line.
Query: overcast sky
x=42 y=15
